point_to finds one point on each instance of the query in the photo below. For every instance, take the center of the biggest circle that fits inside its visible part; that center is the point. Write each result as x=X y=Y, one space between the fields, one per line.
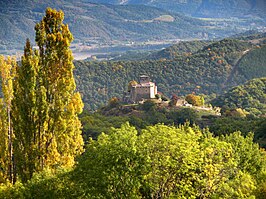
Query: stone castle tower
x=144 y=90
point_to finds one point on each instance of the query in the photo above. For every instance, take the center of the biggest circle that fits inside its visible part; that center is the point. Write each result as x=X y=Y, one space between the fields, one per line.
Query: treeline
x=208 y=71
x=150 y=113
x=183 y=48
x=250 y=35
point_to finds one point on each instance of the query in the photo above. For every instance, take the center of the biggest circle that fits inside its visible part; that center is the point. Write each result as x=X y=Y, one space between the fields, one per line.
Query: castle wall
x=142 y=93
x=152 y=91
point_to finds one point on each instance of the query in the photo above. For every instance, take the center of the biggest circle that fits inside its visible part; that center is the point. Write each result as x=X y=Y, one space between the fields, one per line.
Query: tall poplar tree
x=60 y=126
x=8 y=68
x=25 y=115
x=4 y=153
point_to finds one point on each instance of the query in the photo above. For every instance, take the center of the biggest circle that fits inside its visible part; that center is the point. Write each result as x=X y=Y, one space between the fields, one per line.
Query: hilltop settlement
x=146 y=90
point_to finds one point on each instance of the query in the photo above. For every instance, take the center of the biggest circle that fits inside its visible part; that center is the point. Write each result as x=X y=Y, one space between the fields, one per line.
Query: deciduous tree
x=8 y=67
x=26 y=104
x=195 y=100
x=61 y=103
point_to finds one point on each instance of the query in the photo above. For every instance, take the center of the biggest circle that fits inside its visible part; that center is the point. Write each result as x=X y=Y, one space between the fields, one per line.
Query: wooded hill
x=211 y=70
x=186 y=47
x=250 y=96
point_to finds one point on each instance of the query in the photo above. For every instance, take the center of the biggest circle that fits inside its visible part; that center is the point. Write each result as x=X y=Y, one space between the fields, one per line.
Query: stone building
x=143 y=90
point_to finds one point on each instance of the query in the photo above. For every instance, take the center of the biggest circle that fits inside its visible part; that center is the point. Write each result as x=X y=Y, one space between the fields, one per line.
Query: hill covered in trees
x=209 y=69
x=42 y=153
x=250 y=96
x=183 y=48
x=251 y=65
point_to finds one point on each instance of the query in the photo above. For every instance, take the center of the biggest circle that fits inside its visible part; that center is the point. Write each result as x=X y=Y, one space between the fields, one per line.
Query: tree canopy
x=159 y=162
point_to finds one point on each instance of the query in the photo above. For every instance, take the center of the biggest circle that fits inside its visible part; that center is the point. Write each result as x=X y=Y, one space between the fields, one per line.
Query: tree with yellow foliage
x=8 y=67
x=61 y=128
x=195 y=100
x=45 y=104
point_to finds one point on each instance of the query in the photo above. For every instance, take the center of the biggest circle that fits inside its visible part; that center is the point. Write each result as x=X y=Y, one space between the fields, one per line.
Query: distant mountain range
x=94 y=23
x=97 y=25
x=204 y=8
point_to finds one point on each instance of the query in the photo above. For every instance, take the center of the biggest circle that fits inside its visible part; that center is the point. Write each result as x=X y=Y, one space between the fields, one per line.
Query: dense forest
x=134 y=150
x=251 y=96
x=189 y=67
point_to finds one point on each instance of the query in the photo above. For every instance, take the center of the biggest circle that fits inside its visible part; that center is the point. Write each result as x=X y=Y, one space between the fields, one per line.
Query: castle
x=144 y=90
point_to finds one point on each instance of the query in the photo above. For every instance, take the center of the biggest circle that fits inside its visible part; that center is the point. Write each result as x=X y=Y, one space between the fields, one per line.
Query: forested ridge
x=197 y=68
x=250 y=96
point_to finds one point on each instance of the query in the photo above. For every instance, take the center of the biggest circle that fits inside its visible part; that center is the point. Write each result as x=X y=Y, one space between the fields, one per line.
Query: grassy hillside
x=207 y=71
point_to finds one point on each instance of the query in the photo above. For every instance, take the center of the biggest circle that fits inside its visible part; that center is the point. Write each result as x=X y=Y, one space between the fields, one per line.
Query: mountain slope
x=180 y=49
x=105 y=25
x=204 y=8
x=95 y=23
x=251 y=65
x=245 y=55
